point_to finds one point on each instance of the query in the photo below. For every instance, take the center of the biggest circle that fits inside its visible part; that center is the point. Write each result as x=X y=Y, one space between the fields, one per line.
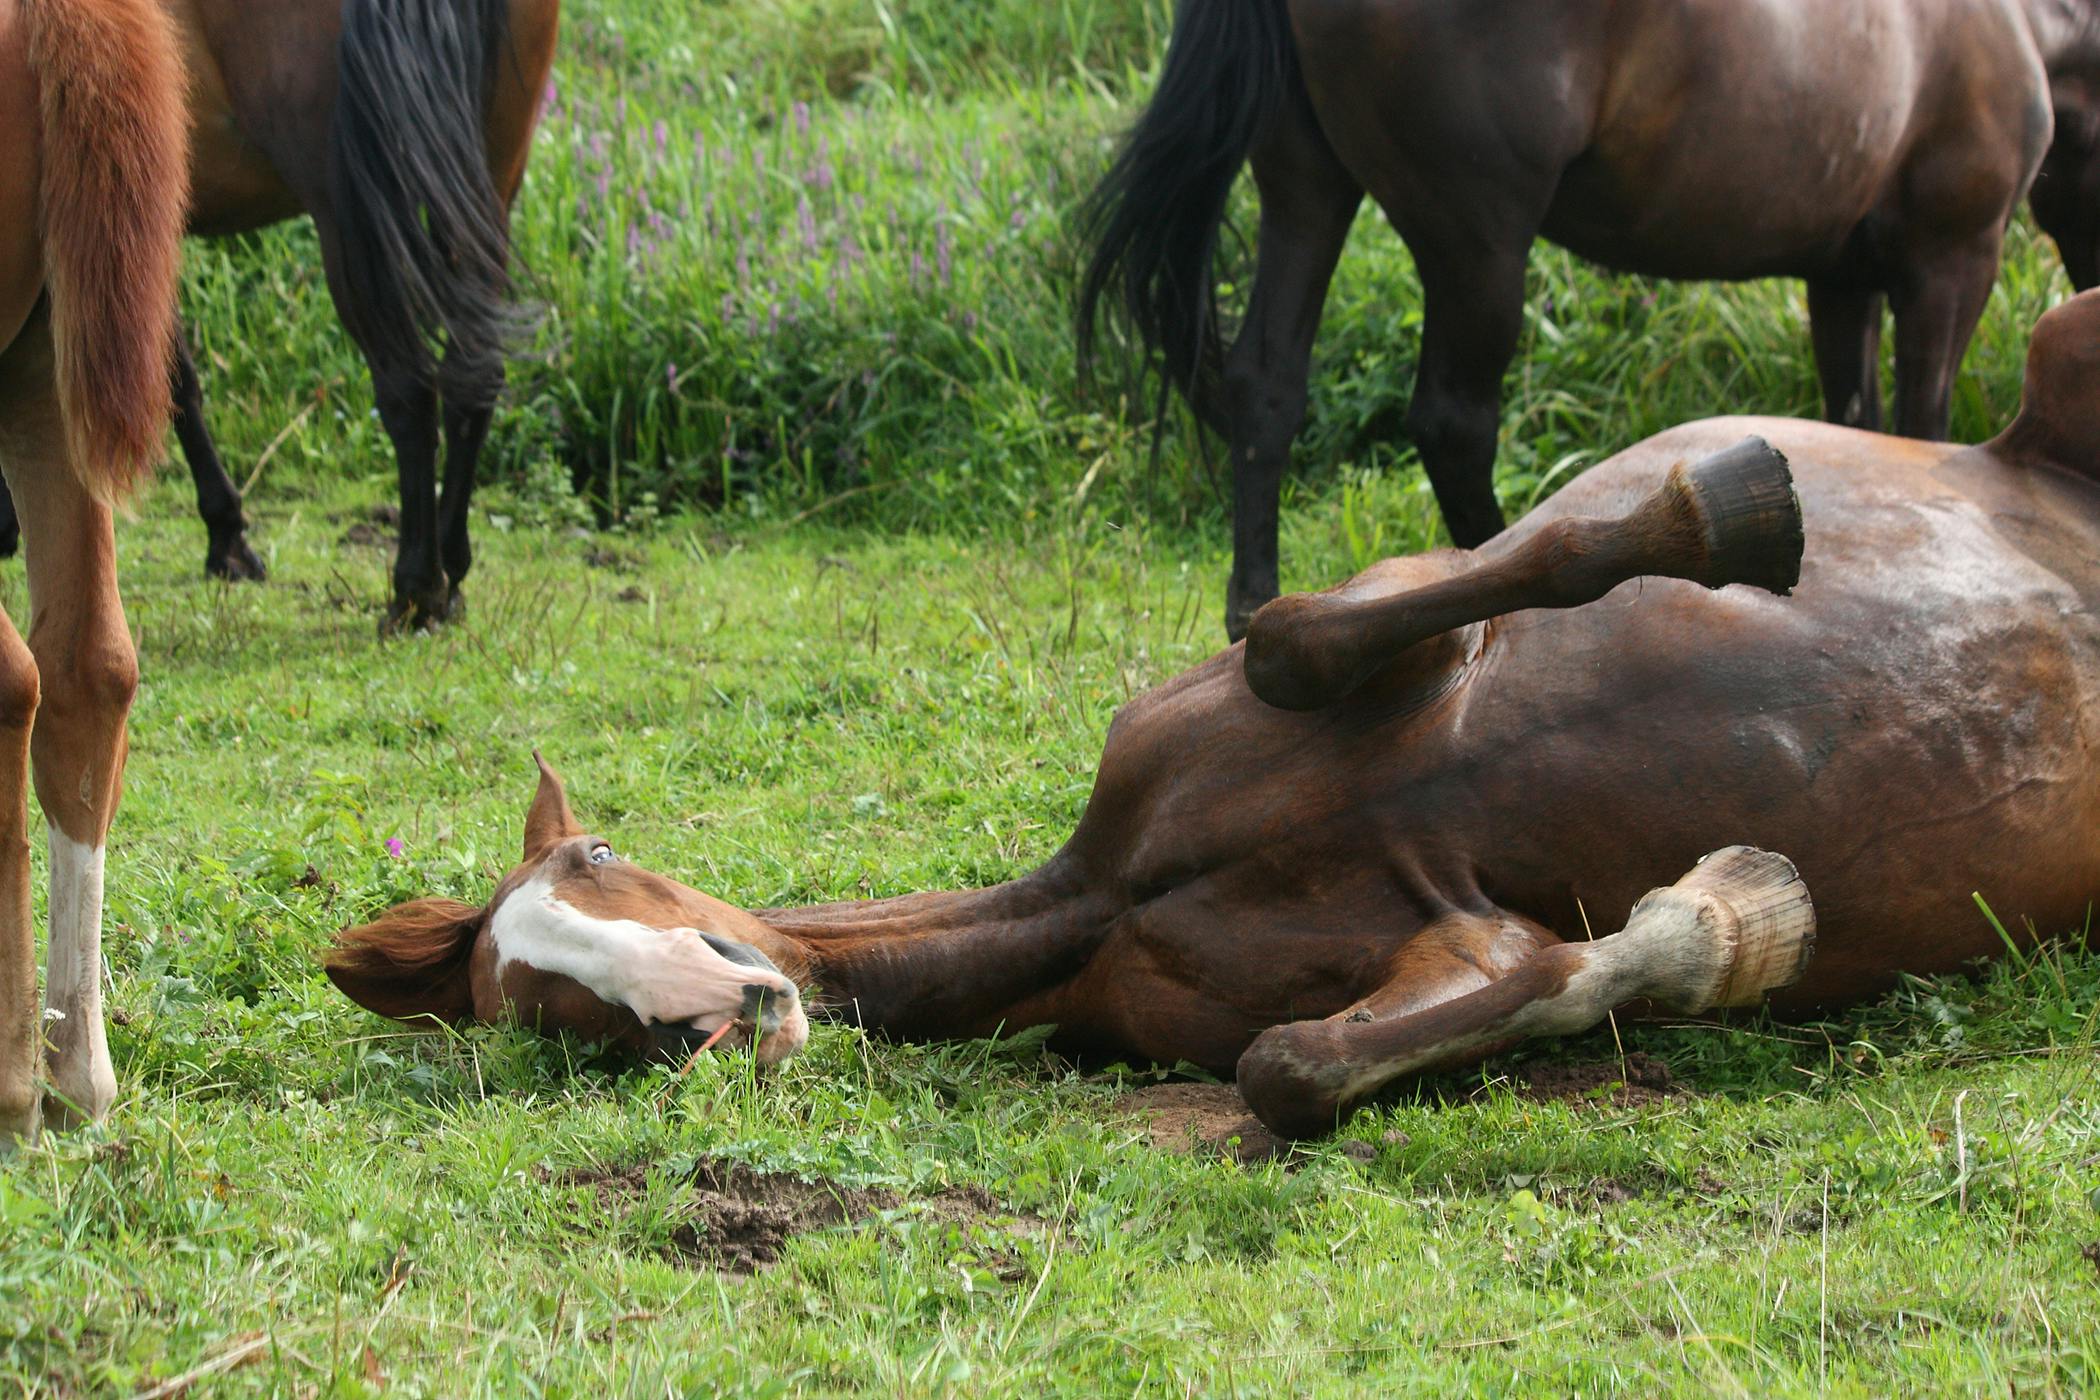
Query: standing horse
x=92 y=187
x=1874 y=147
x=1371 y=838
x=402 y=127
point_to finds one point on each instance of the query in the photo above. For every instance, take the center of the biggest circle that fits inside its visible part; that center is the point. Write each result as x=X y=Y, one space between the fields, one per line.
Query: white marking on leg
x=80 y=1068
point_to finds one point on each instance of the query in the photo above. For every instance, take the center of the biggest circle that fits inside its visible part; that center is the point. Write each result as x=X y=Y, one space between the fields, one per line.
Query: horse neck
x=945 y=964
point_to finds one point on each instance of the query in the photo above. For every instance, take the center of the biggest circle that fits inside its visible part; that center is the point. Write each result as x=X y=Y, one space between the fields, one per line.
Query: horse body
x=1876 y=148
x=1377 y=835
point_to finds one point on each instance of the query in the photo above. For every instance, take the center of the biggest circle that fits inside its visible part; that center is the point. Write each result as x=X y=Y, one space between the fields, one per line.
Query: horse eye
x=600 y=854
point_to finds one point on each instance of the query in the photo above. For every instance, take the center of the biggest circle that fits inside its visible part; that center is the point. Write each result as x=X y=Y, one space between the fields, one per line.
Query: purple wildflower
x=394 y=847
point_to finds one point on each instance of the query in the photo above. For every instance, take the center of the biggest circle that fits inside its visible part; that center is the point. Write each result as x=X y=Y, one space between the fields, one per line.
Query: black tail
x=425 y=237
x=1153 y=221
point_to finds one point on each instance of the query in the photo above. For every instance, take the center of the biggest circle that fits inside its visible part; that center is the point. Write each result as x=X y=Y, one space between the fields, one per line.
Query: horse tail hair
x=425 y=236
x=113 y=102
x=1154 y=220
x=411 y=961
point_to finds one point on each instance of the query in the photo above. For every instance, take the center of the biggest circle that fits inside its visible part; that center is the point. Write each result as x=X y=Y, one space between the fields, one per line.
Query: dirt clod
x=739 y=1219
x=1201 y=1119
x=2091 y=1253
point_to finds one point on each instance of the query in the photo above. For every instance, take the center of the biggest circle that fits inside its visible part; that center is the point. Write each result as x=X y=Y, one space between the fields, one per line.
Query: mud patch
x=1639 y=1080
x=1201 y=1120
x=738 y=1219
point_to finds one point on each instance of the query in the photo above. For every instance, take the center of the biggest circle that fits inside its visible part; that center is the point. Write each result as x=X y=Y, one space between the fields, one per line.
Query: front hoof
x=1292 y=1077
x=232 y=559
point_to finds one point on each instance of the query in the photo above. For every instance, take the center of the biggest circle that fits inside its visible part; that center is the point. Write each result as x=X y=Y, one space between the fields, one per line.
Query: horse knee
x=20 y=686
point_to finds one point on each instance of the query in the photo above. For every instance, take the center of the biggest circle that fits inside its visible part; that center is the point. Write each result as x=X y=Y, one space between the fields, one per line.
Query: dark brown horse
x=1371 y=838
x=1874 y=147
x=92 y=186
x=401 y=127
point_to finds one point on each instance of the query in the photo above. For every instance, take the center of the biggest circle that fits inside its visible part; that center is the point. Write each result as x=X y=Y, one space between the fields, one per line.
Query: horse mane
x=411 y=961
x=113 y=203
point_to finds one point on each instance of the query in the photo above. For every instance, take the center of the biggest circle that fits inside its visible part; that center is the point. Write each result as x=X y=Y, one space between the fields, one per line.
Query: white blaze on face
x=79 y=1062
x=667 y=975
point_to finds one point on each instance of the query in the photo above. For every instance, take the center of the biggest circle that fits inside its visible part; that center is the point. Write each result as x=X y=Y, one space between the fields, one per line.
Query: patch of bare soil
x=739 y=1219
x=1636 y=1082
x=1201 y=1119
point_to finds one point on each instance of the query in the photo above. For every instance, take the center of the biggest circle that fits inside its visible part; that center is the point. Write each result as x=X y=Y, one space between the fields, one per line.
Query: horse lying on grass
x=1372 y=839
x=93 y=162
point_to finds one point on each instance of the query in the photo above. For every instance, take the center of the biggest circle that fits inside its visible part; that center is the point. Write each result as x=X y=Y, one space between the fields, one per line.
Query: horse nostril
x=765 y=1007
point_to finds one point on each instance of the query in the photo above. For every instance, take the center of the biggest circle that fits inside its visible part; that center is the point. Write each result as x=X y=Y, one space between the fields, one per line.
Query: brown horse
x=1370 y=838
x=402 y=127
x=1874 y=147
x=92 y=190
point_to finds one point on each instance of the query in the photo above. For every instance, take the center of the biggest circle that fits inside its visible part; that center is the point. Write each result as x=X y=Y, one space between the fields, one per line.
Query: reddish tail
x=114 y=200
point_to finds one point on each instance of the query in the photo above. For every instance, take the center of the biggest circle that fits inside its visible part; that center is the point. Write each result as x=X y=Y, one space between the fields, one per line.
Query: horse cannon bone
x=1403 y=876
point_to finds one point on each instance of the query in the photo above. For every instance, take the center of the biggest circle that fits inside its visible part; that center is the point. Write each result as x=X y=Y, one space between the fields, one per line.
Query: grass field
x=807 y=560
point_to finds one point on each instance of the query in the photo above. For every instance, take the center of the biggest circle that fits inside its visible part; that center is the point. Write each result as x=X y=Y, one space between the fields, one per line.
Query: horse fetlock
x=1294 y=1077
x=1294 y=660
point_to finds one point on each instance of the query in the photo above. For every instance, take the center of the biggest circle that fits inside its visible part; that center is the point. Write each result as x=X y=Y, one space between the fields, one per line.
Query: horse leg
x=87 y=672
x=1736 y=927
x=2066 y=196
x=31 y=441
x=1844 y=324
x=408 y=409
x=1308 y=202
x=1472 y=316
x=227 y=554
x=1731 y=517
x=1938 y=302
x=466 y=430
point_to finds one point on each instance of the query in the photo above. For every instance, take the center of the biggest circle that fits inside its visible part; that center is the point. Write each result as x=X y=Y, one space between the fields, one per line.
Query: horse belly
x=1918 y=723
x=234 y=186
x=21 y=257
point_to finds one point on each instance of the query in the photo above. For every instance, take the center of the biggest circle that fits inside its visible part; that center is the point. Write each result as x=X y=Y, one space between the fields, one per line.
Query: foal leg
x=1735 y=928
x=1938 y=301
x=87 y=673
x=1308 y=202
x=30 y=440
x=227 y=554
x=1844 y=324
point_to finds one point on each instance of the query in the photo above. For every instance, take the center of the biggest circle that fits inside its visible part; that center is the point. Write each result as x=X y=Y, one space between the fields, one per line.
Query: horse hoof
x=405 y=615
x=235 y=562
x=1293 y=1076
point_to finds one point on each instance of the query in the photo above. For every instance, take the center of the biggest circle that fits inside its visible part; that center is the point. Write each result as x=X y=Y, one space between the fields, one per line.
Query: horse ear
x=550 y=819
x=411 y=961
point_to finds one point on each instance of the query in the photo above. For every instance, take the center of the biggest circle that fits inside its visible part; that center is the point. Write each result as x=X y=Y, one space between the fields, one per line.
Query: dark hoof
x=1241 y=604
x=425 y=614
x=232 y=559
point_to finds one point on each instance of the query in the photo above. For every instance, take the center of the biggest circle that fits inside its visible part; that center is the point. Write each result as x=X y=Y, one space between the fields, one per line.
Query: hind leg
x=2066 y=195
x=408 y=409
x=87 y=673
x=1308 y=202
x=227 y=554
x=1844 y=323
x=466 y=431
x=1937 y=302
x=30 y=440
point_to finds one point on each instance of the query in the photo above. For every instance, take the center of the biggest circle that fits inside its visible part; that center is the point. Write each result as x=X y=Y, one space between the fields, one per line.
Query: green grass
x=907 y=688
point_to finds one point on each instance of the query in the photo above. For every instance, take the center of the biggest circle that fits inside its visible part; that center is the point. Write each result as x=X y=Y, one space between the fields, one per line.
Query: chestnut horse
x=1370 y=838
x=92 y=190
x=1874 y=147
x=402 y=127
